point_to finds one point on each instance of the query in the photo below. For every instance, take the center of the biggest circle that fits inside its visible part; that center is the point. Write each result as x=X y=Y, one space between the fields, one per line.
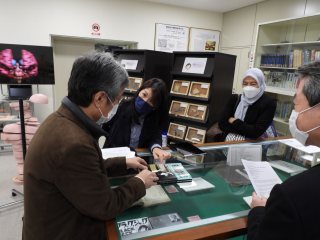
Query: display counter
x=219 y=212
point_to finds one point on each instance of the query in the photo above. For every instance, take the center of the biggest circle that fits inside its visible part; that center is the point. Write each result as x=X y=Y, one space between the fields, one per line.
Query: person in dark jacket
x=67 y=194
x=292 y=209
x=140 y=120
x=251 y=113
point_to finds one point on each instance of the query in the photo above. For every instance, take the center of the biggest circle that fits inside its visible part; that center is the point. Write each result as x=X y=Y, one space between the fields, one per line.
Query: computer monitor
x=26 y=64
x=19 y=92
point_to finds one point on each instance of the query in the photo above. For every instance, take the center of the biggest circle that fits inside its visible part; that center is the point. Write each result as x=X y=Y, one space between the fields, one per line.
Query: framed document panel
x=134 y=84
x=180 y=87
x=176 y=130
x=196 y=111
x=178 y=108
x=195 y=135
x=199 y=89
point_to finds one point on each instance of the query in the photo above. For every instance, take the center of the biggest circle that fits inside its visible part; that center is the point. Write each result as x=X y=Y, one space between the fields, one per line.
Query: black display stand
x=23 y=129
x=151 y=64
x=204 y=97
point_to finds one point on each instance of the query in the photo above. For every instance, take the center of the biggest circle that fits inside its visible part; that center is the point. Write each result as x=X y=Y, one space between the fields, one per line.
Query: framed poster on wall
x=204 y=40
x=169 y=38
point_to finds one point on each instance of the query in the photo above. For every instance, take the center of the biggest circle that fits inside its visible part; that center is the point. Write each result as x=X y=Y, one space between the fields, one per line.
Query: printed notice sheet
x=248 y=152
x=194 y=65
x=129 y=64
x=262 y=177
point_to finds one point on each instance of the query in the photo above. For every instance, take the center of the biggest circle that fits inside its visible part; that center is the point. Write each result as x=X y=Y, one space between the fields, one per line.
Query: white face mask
x=104 y=119
x=295 y=132
x=250 y=92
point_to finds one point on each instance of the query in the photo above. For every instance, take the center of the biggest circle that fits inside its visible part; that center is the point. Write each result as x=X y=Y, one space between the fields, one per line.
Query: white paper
x=195 y=185
x=117 y=152
x=129 y=64
x=248 y=152
x=184 y=84
x=262 y=177
x=194 y=65
x=181 y=128
x=183 y=104
x=205 y=85
x=292 y=142
x=204 y=40
x=201 y=108
x=248 y=200
x=201 y=132
x=170 y=38
x=286 y=166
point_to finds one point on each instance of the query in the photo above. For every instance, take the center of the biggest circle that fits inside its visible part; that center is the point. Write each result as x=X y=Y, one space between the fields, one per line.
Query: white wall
x=240 y=26
x=32 y=22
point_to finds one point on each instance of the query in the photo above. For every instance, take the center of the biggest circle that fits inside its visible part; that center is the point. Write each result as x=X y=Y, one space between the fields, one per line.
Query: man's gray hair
x=94 y=72
x=311 y=89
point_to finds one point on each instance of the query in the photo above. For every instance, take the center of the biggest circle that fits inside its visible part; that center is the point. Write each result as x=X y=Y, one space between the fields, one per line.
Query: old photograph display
x=178 y=108
x=180 y=87
x=195 y=135
x=177 y=130
x=199 y=90
x=134 y=84
x=196 y=111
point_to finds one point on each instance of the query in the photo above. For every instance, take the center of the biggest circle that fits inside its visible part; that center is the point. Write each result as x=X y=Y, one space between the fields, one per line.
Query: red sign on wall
x=95 y=27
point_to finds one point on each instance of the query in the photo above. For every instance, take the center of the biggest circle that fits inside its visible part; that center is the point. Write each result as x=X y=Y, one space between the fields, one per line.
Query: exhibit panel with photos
x=201 y=84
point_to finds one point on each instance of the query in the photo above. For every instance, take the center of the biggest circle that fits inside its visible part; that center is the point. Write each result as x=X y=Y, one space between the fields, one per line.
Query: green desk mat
x=221 y=200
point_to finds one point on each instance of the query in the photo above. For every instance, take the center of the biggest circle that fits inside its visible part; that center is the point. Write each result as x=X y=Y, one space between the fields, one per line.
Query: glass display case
x=219 y=210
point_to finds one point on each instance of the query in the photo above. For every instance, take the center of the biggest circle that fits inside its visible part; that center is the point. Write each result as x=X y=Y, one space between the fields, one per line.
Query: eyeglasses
x=116 y=101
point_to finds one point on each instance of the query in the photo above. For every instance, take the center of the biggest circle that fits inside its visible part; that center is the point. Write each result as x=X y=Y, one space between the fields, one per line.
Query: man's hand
x=159 y=154
x=258 y=201
x=149 y=178
x=136 y=163
x=231 y=120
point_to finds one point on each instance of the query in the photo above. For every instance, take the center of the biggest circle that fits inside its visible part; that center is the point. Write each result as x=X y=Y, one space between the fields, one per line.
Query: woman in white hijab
x=249 y=115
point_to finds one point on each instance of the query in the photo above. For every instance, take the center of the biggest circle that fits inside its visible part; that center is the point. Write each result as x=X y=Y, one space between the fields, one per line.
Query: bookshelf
x=281 y=47
x=198 y=94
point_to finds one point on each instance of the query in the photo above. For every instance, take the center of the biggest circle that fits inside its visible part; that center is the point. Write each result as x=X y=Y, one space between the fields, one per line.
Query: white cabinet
x=281 y=48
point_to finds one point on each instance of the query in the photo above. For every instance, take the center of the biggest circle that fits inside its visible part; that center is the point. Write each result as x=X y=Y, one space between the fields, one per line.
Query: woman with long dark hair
x=140 y=120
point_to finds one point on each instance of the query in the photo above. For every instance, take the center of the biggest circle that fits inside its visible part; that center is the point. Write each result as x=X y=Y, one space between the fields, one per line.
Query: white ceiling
x=209 y=5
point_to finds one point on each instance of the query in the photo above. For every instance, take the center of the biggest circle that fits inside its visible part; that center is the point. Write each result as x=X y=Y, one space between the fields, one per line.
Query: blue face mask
x=142 y=107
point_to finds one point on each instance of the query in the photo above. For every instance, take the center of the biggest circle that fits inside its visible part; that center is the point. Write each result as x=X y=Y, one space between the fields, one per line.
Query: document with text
x=262 y=177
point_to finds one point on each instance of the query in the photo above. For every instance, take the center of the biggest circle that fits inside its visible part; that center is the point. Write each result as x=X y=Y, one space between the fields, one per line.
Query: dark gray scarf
x=95 y=130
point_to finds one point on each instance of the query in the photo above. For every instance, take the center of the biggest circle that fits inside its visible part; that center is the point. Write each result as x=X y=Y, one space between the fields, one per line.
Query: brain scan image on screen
x=26 y=64
x=18 y=69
